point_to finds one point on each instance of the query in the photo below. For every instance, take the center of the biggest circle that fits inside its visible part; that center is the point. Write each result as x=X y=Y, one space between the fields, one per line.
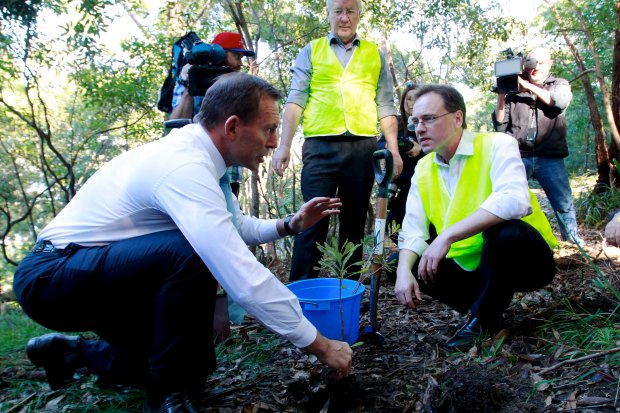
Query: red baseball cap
x=233 y=42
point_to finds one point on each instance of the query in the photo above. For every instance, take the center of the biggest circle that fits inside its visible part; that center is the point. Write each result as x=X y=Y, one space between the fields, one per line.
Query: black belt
x=346 y=137
x=45 y=246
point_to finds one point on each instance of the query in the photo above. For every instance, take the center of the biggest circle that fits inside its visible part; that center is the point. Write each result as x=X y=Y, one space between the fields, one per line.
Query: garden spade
x=383 y=165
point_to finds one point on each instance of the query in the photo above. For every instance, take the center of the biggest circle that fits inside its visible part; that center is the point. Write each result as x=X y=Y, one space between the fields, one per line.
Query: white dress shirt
x=509 y=198
x=174 y=183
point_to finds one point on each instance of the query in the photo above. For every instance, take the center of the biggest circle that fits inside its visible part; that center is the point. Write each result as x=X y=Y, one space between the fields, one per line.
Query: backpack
x=166 y=93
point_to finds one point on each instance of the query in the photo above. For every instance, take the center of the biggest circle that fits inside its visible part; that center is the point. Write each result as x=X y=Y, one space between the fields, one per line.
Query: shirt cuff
x=297 y=97
x=418 y=246
x=303 y=335
x=272 y=232
x=385 y=111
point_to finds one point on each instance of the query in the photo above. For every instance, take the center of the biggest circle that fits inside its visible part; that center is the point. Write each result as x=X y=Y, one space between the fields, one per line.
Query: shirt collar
x=331 y=37
x=216 y=157
x=465 y=148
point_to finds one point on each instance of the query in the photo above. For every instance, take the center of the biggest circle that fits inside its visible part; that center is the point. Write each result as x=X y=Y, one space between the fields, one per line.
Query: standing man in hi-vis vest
x=342 y=86
x=489 y=236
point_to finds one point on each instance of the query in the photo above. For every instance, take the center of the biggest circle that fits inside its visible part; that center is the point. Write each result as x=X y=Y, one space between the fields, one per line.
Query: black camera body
x=405 y=144
x=507 y=71
x=207 y=62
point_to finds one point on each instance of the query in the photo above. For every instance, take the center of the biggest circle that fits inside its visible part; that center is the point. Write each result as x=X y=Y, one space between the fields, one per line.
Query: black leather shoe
x=467 y=334
x=58 y=354
x=171 y=403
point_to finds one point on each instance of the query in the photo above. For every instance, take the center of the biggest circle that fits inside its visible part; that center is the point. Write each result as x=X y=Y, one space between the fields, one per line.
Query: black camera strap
x=532 y=131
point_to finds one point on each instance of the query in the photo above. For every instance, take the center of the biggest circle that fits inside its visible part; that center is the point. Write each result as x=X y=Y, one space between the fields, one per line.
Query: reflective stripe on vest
x=342 y=99
x=473 y=189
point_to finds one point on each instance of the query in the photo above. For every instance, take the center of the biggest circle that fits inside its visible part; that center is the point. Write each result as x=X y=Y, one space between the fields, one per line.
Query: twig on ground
x=21 y=403
x=593 y=406
x=617 y=389
x=241 y=360
x=579 y=359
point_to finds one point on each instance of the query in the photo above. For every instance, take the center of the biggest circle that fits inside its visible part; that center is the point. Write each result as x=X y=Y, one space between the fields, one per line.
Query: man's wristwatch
x=287 y=225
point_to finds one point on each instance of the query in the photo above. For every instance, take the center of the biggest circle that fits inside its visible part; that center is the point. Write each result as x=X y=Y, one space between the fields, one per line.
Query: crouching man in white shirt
x=136 y=255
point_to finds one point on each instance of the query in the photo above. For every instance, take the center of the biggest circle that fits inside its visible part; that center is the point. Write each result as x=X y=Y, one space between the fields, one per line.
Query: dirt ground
x=407 y=369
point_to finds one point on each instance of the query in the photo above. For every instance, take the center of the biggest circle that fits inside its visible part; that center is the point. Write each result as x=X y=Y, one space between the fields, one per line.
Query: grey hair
x=330 y=4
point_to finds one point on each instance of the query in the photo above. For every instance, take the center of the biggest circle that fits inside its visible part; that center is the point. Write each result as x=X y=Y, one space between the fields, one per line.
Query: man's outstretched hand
x=313 y=211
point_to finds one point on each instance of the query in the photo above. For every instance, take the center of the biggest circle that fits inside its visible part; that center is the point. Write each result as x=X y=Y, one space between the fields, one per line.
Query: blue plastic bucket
x=320 y=303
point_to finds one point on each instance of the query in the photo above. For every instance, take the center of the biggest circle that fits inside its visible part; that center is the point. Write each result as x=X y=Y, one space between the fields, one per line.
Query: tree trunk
x=602 y=157
x=390 y=60
x=614 y=147
x=611 y=116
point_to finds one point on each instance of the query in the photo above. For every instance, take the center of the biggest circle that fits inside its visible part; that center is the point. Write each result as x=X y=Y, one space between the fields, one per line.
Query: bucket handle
x=313 y=306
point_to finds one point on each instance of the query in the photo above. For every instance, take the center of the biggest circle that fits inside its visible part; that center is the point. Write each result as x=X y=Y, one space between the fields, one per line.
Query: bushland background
x=79 y=81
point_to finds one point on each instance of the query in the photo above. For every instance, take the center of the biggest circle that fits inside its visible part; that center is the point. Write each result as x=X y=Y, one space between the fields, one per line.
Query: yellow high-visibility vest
x=473 y=189
x=342 y=98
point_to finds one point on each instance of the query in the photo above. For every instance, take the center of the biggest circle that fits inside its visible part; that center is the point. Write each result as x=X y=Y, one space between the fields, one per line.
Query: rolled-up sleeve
x=503 y=125
x=300 y=82
x=385 y=91
x=510 y=198
x=561 y=94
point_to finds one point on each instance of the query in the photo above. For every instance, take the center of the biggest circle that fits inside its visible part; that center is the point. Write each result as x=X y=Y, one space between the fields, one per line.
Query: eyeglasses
x=427 y=119
x=345 y=12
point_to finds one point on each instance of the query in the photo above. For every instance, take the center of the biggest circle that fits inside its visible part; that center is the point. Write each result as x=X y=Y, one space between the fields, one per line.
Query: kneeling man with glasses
x=473 y=233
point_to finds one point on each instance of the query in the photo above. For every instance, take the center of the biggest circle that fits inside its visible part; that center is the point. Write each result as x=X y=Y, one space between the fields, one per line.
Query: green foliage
x=580 y=136
x=68 y=103
x=67 y=106
x=494 y=349
x=593 y=209
x=15 y=330
x=253 y=355
x=575 y=332
x=335 y=260
x=243 y=357
x=459 y=35
x=21 y=11
x=600 y=21
x=591 y=26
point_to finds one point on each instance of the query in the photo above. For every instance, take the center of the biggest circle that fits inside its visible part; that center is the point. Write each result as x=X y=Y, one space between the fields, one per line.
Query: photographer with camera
x=535 y=116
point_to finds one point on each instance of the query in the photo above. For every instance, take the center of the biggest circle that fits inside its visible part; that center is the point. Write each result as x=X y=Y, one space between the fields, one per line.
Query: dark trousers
x=337 y=166
x=150 y=299
x=515 y=257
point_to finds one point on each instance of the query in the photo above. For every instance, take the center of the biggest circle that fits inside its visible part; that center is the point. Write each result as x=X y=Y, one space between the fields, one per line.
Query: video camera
x=207 y=62
x=507 y=71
